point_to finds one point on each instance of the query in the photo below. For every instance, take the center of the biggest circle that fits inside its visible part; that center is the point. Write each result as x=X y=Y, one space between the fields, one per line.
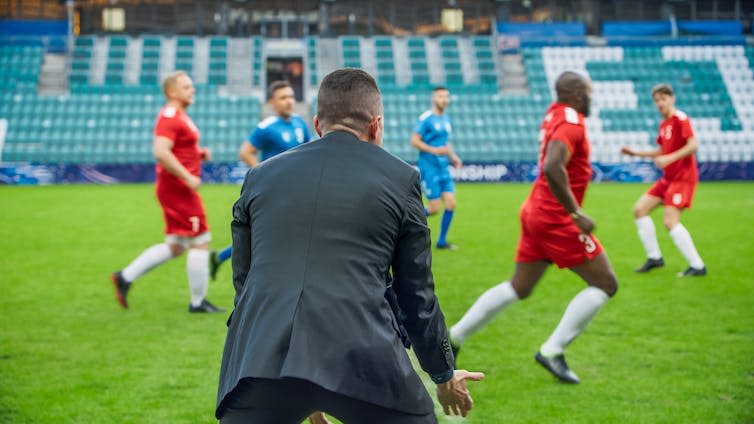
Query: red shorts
x=182 y=209
x=554 y=238
x=678 y=194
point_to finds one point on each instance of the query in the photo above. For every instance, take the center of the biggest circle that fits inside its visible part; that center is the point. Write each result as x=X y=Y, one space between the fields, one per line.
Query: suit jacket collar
x=342 y=135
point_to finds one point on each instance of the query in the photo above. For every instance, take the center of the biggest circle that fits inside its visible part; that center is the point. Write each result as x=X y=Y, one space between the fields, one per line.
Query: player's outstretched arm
x=638 y=153
x=688 y=149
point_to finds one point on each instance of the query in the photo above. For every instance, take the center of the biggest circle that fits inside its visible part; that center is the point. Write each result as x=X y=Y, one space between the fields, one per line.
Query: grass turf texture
x=665 y=349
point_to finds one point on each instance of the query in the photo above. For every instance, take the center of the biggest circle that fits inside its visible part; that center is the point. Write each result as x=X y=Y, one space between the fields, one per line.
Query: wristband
x=576 y=214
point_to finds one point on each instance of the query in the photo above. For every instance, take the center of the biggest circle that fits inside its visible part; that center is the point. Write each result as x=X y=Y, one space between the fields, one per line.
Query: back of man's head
x=348 y=98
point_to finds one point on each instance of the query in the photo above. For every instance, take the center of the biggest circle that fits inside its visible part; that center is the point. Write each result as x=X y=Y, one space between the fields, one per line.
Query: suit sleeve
x=241 y=233
x=414 y=286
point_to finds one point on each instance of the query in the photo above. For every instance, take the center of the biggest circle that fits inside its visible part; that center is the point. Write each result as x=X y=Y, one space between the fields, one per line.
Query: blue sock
x=224 y=255
x=426 y=212
x=447 y=217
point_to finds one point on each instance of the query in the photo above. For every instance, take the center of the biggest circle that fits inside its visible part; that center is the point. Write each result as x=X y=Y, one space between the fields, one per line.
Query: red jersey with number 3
x=673 y=134
x=563 y=124
x=182 y=207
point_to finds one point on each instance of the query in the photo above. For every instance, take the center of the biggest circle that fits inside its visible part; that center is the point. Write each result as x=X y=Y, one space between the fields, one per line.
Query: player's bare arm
x=162 y=150
x=664 y=160
x=248 y=154
x=418 y=143
x=454 y=158
x=554 y=168
x=640 y=153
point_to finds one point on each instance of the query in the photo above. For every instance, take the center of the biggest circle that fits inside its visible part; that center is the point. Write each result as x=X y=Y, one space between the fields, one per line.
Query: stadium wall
x=233 y=173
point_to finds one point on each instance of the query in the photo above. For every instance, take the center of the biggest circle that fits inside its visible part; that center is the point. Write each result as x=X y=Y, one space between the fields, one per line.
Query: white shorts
x=186 y=242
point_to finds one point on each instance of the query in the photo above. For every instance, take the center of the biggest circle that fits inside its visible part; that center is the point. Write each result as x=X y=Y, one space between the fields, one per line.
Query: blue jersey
x=435 y=131
x=275 y=135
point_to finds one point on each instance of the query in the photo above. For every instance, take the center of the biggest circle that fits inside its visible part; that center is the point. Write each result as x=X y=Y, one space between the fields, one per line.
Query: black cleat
x=121 y=288
x=205 y=307
x=651 y=263
x=558 y=367
x=693 y=272
x=447 y=246
x=214 y=264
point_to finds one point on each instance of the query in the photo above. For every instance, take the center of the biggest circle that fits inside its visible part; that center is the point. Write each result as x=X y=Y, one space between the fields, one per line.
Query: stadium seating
x=111 y=121
x=385 y=62
x=109 y=114
x=311 y=60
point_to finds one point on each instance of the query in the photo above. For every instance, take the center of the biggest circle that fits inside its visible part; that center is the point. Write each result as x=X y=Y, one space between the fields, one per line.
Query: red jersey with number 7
x=673 y=135
x=182 y=207
x=563 y=124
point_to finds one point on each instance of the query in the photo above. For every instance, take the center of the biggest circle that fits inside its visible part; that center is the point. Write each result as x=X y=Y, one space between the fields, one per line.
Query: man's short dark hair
x=665 y=89
x=275 y=86
x=439 y=88
x=348 y=97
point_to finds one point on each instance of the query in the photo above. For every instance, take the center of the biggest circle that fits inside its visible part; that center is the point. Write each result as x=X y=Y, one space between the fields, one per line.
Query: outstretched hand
x=627 y=151
x=454 y=396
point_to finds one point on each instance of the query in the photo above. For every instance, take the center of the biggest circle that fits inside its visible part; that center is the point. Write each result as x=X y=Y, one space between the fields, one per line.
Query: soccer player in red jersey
x=674 y=190
x=179 y=158
x=554 y=229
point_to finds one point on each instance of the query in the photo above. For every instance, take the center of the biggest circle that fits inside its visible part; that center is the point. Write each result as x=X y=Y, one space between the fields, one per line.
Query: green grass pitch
x=664 y=350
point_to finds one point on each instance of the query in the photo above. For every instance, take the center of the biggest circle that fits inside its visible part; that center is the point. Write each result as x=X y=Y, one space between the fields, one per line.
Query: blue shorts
x=436 y=181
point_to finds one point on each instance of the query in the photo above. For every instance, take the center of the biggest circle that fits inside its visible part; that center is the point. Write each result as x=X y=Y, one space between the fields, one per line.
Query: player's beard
x=587 y=104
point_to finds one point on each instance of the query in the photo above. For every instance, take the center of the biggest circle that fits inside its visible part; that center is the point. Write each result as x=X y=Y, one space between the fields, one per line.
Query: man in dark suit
x=316 y=232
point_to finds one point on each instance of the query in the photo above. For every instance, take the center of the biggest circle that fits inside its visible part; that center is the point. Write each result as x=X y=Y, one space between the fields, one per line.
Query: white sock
x=489 y=304
x=150 y=258
x=577 y=316
x=648 y=237
x=685 y=244
x=197 y=268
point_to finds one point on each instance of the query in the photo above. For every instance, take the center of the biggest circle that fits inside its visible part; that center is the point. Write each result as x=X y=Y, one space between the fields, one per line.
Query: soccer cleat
x=447 y=246
x=651 y=263
x=121 y=288
x=693 y=272
x=214 y=264
x=205 y=307
x=558 y=367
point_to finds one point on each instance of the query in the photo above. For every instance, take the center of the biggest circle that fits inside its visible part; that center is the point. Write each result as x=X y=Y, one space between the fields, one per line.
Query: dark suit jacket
x=315 y=232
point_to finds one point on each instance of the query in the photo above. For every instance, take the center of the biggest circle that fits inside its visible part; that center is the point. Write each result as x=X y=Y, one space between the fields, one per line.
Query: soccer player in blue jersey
x=274 y=135
x=430 y=137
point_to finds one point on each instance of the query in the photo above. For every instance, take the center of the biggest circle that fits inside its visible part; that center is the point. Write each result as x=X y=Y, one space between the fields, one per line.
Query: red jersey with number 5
x=564 y=124
x=673 y=134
